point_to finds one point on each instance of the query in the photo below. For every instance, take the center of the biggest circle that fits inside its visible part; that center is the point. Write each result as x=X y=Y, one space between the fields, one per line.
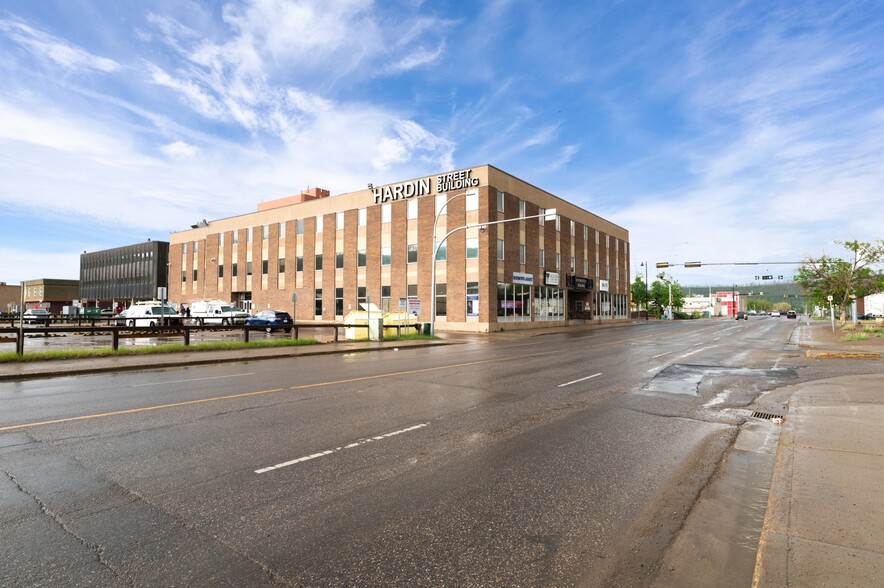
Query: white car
x=775 y=313
x=36 y=315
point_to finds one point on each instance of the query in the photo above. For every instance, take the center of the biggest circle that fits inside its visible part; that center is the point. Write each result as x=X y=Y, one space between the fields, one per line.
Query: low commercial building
x=50 y=294
x=10 y=298
x=501 y=260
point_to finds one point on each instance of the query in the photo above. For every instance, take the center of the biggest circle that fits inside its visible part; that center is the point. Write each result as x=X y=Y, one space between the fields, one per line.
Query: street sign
x=766 y=277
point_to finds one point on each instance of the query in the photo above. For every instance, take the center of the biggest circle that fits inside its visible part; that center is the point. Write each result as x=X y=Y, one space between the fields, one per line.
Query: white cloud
x=179 y=149
x=61 y=52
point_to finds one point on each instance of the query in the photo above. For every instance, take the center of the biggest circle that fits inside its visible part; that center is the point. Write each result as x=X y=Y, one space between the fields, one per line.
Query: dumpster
x=404 y=320
x=427 y=328
x=361 y=317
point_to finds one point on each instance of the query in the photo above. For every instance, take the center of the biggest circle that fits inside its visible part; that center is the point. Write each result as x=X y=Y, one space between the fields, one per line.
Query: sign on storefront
x=524 y=279
x=551 y=279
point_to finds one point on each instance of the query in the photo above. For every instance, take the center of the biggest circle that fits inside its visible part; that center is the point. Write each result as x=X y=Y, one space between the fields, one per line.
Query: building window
x=597 y=269
x=411 y=291
x=558 y=223
x=339 y=302
x=513 y=302
x=542 y=213
x=585 y=267
x=411 y=209
x=500 y=249
x=317 y=302
x=339 y=221
x=264 y=268
x=385 y=256
x=608 y=241
x=521 y=208
x=234 y=238
x=360 y=258
x=299 y=263
x=472 y=200
x=361 y=297
x=299 y=226
x=573 y=264
x=282 y=230
x=472 y=298
x=441 y=199
x=500 y=207
x=441 y=306
x=220 y=239
x=473 y=248
x=412 y=254
x=386 y=213
x=265 y=232
x=596 y=237
x=220 y=271
x=317 y=261
x=339 y=260
x=585 y=233
x=196 y=247
x=573 y=228
x=385 y=298
x=558 y=262
x=522 y=254
x=233 y=268
x=319 y=223
x=362 y=214
x=442 y=251
x=184 y=249
x=195 y=275
x=249 y=235
x=280 y=265
x=183 y=276
x=248 y=268
x=541 y=258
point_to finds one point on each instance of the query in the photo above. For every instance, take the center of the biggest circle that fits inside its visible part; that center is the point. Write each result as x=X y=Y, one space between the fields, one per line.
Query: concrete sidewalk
x=824 y=524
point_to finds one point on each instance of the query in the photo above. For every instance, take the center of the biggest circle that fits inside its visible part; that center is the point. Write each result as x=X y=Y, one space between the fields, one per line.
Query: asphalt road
x=558 y=460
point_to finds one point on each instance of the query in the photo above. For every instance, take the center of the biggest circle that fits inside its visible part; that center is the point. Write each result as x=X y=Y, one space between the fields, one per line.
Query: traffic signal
x=662 y=264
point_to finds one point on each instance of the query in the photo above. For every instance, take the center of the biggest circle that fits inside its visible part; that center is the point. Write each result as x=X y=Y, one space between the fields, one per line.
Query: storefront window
x=513 y=302
x=441 y=300
x=549 y=304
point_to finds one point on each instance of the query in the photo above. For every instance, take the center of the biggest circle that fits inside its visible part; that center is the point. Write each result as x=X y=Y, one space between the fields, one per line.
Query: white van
x=217 y=312
x=151 y=314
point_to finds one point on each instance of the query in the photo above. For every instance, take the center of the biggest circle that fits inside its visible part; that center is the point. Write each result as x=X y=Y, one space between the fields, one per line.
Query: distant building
x=123 y=274
x=10 y=297
x=730 y=303
x=49 y=294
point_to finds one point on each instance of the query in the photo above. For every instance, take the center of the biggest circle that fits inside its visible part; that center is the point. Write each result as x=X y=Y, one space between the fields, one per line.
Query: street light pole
x=549 y=213
x=647 y=295
x=435 y=253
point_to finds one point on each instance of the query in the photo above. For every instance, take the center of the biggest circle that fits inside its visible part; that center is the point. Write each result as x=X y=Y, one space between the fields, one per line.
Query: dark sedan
x=273 y=320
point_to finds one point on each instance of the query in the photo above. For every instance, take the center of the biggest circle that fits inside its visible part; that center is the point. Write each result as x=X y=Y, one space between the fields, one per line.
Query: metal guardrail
x=10 y=334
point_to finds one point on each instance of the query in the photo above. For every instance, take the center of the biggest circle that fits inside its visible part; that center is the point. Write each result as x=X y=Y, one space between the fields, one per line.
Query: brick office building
x=335 y=252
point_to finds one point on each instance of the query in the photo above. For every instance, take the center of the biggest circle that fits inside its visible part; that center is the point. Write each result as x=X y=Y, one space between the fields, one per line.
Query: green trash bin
x=427 y=329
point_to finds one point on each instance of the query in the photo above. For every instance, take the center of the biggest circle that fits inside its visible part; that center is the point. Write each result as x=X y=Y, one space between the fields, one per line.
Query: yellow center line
x=247 y=394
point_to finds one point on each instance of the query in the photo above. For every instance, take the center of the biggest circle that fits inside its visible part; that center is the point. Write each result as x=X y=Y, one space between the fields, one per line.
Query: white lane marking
x=661 y=355
x=682 y=356
x=336 y=449
x=580 y=380
x=193 y=380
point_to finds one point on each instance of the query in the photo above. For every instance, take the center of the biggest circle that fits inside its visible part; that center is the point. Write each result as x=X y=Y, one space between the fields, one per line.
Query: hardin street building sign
x=459 y=180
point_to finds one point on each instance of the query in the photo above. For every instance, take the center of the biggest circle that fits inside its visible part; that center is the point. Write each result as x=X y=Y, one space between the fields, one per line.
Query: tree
x=832 y=276
x=660 y=293
x=640 y=294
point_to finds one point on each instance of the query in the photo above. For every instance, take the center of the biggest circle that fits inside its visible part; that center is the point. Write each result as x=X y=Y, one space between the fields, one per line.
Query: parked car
x=273 y=320
x=791 y=314
x=741 y=315
x=775 y=313
x=36 y=315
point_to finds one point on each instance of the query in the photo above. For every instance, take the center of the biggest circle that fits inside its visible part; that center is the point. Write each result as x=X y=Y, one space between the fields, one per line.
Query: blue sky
x=712 y=131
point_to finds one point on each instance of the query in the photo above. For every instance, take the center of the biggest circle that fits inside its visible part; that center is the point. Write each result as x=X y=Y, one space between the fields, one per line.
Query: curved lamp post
x=548 y=214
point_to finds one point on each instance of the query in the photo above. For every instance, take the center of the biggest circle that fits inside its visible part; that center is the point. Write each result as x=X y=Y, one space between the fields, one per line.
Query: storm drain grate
x=768 y=416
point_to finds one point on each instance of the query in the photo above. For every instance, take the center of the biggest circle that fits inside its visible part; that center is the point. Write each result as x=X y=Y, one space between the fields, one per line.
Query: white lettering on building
x=458 y=180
